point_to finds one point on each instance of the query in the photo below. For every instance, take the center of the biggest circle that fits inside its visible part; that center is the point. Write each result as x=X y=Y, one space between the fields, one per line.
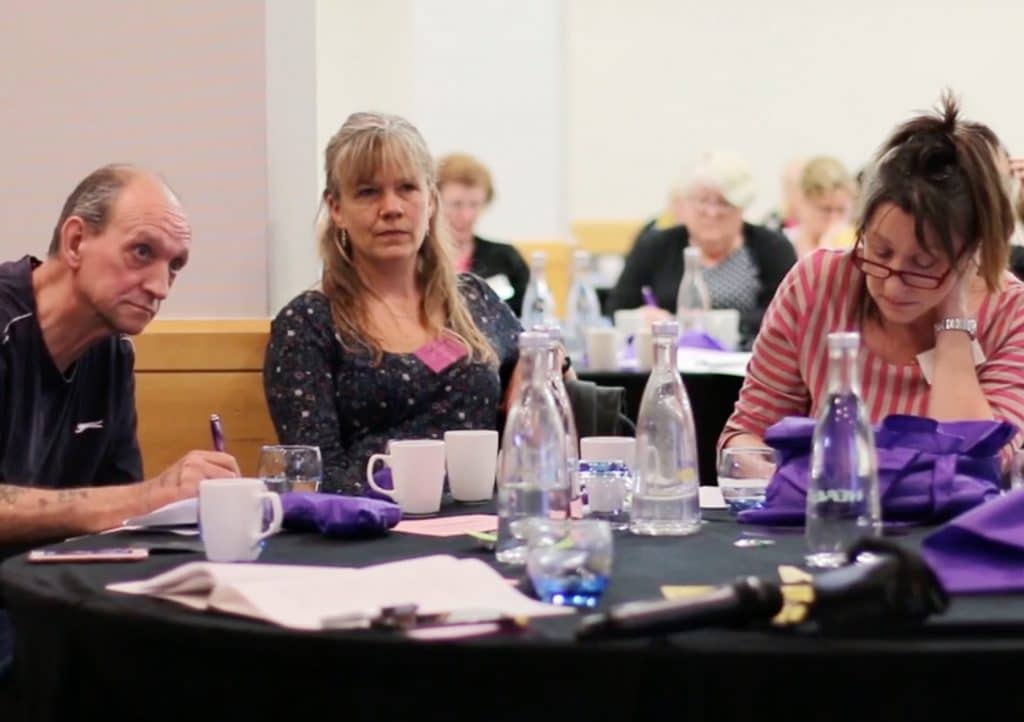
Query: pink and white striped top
x=788 y=373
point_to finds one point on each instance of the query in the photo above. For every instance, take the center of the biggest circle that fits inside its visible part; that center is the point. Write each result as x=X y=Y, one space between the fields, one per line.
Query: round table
x=83 y=652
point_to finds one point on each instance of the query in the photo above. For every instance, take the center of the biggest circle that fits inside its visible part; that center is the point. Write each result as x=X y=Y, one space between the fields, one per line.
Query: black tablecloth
x=85 y=653
x=712 y=397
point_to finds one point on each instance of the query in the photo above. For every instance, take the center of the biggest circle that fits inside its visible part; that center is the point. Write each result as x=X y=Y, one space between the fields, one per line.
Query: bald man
x=69 y=457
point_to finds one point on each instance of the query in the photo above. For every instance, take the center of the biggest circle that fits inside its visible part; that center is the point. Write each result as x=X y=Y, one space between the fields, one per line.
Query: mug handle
x=390 y=493
x=277 y=515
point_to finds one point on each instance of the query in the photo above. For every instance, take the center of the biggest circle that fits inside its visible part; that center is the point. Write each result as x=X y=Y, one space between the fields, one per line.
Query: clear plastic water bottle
x=538 y=303
x=583 y=309
x=533 y=480
x=693 y=300
x=557 y=382
x=666 y=492
x=842 y=495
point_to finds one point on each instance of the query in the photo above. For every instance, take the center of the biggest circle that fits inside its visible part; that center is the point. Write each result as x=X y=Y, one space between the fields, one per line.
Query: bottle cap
x=554 y=333
x=533 y=340
x=843 y=340
x=665 y=328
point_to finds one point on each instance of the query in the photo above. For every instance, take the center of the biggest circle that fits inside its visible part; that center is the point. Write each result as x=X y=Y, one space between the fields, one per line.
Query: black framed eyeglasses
x=911 y=278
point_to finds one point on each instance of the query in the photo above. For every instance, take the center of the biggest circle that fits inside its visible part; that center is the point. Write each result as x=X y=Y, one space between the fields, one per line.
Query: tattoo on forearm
x=10 y=494
x=66 y=496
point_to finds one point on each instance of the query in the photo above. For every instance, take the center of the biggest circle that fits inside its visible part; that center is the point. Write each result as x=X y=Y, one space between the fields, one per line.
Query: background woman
x=940 y=318
x=392 y=344
x=466 y=191
x=743 y=263
x=824 y=205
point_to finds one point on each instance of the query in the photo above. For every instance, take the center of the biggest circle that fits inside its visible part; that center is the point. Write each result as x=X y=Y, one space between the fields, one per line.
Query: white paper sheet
x=711 y=498
x=184 y=511
x=703 y=361
x=302 y=597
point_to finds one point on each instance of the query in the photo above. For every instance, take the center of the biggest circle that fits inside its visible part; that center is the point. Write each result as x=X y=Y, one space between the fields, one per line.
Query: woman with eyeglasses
x=743 y=264
x=941 y=320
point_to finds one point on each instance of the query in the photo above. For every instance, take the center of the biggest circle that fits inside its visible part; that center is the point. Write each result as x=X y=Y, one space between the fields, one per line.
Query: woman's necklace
x=400 y=314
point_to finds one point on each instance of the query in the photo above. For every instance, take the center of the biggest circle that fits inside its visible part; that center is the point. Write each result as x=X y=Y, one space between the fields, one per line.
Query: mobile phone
x=123 y=554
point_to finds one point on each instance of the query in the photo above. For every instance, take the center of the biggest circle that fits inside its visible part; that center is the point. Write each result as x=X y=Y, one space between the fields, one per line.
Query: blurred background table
x=712 y=397
x=84 y=653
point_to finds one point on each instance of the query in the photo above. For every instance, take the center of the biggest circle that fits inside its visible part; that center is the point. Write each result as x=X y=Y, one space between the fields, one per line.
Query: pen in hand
x=648 y=296
x=216 y=432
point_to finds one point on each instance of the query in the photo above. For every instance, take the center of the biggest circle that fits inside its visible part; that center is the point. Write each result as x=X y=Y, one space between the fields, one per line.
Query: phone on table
x=120 y=554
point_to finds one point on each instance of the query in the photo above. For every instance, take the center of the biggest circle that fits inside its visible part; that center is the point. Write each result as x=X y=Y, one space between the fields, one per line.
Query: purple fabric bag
x=699 y=339
x=338 y=516
x=982 y=550
x=928 y=471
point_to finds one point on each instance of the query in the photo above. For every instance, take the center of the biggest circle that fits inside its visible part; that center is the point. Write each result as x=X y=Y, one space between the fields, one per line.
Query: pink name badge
x=439 y=355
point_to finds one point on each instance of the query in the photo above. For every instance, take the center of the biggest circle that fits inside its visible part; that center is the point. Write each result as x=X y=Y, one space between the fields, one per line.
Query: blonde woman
x=392 y=344
x=823 y=207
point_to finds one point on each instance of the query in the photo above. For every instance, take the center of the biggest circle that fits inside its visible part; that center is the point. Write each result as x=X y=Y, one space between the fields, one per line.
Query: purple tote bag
x=928 y=471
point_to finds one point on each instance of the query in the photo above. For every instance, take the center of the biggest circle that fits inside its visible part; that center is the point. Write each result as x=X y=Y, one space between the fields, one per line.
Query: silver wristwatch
x=967 y=325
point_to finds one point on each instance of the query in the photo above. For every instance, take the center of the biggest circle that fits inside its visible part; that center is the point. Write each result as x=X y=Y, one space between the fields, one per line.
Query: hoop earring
x=341 y=241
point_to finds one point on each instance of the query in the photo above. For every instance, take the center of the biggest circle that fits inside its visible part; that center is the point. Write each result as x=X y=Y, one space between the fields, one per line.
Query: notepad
x=303 y=597
x=449 y=525
x=177 y=513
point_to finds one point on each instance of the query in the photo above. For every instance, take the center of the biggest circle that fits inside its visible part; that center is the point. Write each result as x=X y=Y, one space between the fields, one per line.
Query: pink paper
x=449 y=525
x=439 y=355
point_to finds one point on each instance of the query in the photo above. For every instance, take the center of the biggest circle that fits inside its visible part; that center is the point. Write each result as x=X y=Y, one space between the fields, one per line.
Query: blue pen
x=216 y=432
x=648 y=295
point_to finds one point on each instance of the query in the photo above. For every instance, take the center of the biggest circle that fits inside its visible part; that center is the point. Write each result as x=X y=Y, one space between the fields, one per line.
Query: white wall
x=653 y=82
x=583 y=108
x=178 y=87
x=481 y=76
x=489 y=79
x=292 y=149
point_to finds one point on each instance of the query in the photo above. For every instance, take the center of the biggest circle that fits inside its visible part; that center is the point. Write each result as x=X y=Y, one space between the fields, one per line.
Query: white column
x=292 y=149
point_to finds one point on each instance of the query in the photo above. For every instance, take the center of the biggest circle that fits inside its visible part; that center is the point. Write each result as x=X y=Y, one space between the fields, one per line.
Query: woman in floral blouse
x=392 y=344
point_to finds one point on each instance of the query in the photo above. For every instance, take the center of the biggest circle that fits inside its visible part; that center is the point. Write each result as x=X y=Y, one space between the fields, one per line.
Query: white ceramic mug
x=472 y=456
x=602 y=345
x=417 y=474
x=628 y=320
x=723 y=324
x=608 y=448
x=643 y=348
x=231 y=513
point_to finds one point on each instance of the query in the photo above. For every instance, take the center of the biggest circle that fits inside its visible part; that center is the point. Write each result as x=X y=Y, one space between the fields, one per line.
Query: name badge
x=440 y=354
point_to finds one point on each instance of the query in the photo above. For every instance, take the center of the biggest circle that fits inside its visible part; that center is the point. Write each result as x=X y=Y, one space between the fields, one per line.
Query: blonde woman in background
x=823 y=207
x=392 y=344
x=466 y=191
x=742 y=263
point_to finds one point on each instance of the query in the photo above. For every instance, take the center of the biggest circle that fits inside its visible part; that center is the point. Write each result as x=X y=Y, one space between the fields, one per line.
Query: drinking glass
x=743 y=476
x=291 y=468
x=1017 y=470
x=569 y=561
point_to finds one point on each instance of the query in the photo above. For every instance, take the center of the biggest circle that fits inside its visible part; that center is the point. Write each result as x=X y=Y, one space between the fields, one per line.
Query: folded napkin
x=981 y=550
x=338 y=516
x=928 y=471
x=700 y=339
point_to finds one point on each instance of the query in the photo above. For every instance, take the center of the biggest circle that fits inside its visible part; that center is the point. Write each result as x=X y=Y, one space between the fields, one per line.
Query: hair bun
x=934 y=158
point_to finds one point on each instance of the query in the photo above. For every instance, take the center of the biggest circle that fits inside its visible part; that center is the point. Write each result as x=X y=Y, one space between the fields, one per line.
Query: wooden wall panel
x=186 y=370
